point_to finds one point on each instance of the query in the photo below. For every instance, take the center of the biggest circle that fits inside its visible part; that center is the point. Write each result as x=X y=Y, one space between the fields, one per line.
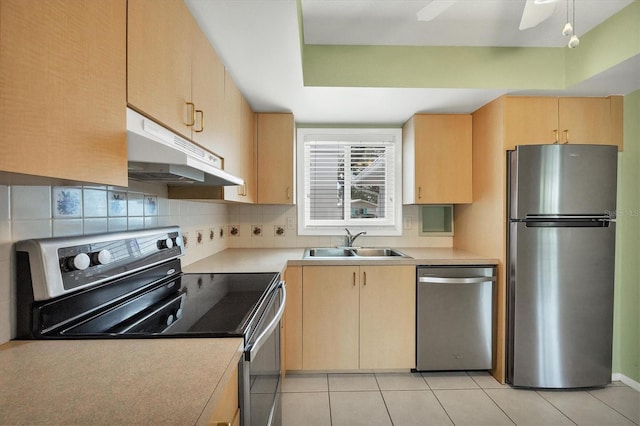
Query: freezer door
x=562 y=179
x=560 y=305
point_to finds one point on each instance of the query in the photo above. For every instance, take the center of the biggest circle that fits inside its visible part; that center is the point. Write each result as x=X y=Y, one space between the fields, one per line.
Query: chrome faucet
x=349 y=239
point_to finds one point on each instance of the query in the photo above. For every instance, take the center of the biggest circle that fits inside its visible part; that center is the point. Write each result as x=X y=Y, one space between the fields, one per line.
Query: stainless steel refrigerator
x=560 y=265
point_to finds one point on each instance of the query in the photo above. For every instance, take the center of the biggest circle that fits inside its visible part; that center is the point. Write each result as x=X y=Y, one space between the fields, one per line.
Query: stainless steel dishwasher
x=454 y=317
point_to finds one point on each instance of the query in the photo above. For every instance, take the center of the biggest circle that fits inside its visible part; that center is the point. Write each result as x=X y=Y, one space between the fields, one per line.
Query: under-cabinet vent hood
x=156 y=154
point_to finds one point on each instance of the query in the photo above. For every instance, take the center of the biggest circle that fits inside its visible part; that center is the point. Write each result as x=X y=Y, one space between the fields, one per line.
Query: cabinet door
x=233 y=162
x=63 y=74
x=585 y=121
x=443 y=152
x=293 y=318
x=207 y=94
x=248 y=147
x=330 y=318
x=227 y=408
x=159 y=43
x=275 y=158
x=387 y=317
x=530 y=121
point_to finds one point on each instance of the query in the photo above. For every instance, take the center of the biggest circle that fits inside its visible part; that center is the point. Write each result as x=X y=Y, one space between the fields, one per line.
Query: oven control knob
x=101 y=257
x=179 y=313
x=165 y=243
x=178 y=241
x=79 y=262
x=170 y=319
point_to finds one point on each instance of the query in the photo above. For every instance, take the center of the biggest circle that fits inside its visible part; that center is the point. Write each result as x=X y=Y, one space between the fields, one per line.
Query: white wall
x=45 y=211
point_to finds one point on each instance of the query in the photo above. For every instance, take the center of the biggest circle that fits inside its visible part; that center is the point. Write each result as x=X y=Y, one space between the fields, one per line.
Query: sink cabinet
x=62 y=109
x=541 y=120
x=437 y=153
x=358 y=317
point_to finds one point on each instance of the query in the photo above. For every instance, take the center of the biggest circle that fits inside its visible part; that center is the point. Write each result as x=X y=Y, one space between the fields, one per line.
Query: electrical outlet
x=290 y=223
x=407 y=223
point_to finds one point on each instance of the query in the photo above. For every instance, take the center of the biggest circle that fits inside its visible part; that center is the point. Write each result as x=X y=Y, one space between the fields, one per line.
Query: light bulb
x=573 y=42
x=567 y=30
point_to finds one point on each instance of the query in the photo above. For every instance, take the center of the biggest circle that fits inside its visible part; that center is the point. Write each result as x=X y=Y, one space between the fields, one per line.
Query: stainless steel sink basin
x=328 y=252
x=352 y=253
x=377 y=252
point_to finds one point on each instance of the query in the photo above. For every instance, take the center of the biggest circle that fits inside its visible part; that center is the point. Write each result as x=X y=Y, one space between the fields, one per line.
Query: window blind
x=349 y=182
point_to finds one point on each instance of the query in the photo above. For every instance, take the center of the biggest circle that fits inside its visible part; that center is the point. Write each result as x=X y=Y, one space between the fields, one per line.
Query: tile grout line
x=613 y=408
x=386 y=407
x=492 y=400
x=554 y=406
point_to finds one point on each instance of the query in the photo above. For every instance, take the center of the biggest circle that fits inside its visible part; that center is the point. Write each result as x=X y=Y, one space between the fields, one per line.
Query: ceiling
x=259 y=42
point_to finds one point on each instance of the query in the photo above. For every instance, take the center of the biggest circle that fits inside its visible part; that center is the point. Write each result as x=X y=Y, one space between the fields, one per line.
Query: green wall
x=626 y=344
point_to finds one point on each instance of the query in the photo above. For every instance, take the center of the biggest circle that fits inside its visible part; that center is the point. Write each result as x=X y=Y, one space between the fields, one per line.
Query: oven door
x=261 y=366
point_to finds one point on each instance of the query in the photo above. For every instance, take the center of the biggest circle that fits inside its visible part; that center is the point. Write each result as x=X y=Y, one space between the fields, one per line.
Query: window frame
x=350 y=134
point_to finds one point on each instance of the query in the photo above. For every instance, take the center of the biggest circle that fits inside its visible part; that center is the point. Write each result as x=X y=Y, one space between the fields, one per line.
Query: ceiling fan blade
x=536 y=12
x=433 y=9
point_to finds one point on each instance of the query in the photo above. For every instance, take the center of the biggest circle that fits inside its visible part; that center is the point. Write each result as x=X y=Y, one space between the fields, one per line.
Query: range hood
x=156 y=154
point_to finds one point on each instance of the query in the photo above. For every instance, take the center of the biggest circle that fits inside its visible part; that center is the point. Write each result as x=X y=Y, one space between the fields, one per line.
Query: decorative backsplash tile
x=67 y=202
x=256 y=230
x=279 y=231
x=234 y=230
x=150 y=205
x=117 y=203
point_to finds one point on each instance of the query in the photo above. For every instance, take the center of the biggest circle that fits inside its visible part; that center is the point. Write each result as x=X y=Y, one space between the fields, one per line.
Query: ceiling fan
x=534 y=13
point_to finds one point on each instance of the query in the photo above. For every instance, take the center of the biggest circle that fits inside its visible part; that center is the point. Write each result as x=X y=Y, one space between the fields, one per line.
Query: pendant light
x=569 y=29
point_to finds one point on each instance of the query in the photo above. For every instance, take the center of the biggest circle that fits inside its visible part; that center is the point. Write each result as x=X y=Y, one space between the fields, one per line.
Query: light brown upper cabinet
x=160 y=45
x=63 y=73
x=436 y=152
x=541 y=120
x=275 y=158
x=174 y=75
x=239 y=151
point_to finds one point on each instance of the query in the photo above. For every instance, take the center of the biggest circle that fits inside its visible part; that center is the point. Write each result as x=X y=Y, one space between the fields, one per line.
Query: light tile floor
x=451 y=398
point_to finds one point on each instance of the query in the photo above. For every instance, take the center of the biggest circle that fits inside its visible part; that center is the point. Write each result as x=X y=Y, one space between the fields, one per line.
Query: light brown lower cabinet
x=358 y=317
x=227 y=411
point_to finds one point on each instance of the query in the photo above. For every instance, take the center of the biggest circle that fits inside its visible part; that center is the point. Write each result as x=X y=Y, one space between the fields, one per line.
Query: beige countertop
x=276 y=259
x=124 y=381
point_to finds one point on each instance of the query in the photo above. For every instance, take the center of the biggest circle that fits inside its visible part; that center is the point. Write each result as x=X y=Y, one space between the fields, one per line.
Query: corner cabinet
x=437 y=154
x=275 y=158
x=358 y=317
x=63 y=73
x=548 y=120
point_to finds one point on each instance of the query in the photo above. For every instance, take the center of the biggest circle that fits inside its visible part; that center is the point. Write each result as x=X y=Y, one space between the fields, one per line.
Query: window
x=349 y=178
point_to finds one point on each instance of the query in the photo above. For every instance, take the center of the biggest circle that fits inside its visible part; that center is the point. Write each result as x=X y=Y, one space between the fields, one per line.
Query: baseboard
x=626 y=380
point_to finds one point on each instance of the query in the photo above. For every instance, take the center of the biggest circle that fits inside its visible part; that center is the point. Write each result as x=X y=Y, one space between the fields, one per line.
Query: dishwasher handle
x=457 y=280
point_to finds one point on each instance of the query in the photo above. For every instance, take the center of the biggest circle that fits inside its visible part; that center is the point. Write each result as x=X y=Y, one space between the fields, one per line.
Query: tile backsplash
x=49 y=211
x=276 y=226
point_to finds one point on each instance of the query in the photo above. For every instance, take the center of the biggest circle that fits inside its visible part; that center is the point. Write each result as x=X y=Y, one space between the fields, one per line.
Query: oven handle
x=254 y=347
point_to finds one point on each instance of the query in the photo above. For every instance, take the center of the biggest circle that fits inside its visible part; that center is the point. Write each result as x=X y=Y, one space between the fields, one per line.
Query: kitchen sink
x=328 y=252
x=353 y=253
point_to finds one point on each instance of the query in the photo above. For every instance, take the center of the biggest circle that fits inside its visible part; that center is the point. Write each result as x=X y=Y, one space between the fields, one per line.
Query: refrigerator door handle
x=566 y=222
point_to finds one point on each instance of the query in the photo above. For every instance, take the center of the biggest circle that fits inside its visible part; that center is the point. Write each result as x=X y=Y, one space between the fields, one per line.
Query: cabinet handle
x=419 y=192
x=288 y=192
x=364 y=278
x=201 y=129
x=242 y=190
x=354 y=279
x=193 y=114
x=555 y=134
x=566 y=136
